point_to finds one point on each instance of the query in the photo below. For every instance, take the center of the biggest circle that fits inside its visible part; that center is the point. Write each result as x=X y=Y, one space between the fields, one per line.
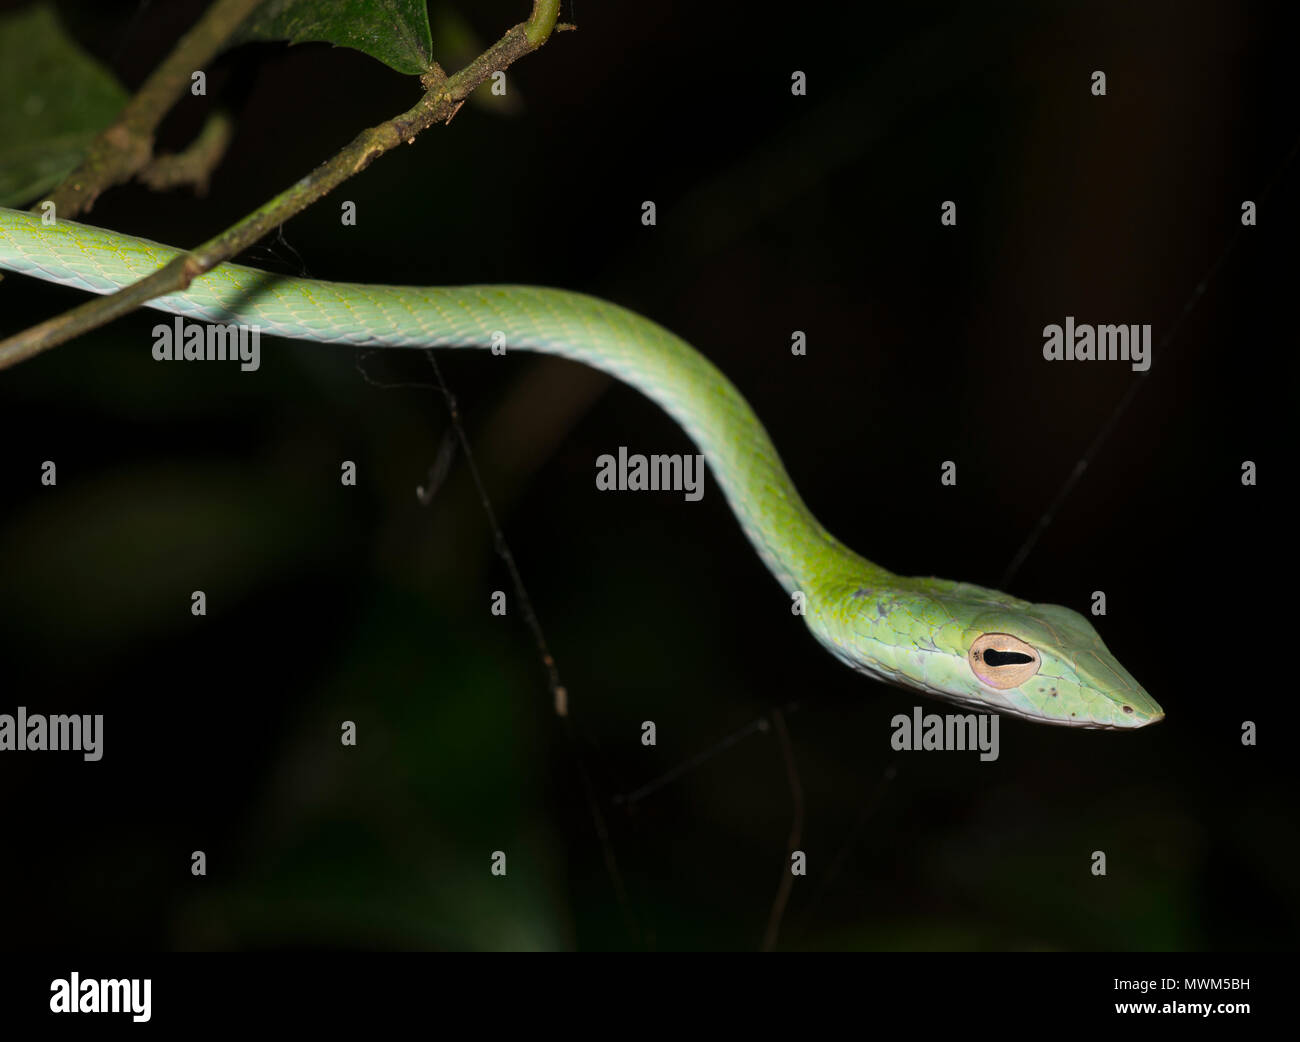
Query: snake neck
x=789 y=540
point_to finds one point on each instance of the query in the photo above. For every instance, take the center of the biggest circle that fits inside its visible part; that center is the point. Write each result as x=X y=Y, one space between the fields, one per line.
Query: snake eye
x=1002 y=661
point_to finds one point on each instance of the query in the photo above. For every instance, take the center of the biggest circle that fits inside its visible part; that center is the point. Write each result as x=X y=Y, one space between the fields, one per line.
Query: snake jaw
x=981 y=649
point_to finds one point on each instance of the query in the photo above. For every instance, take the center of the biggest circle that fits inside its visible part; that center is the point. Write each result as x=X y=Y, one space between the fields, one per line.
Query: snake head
x=984 y=649
x=1048 y=663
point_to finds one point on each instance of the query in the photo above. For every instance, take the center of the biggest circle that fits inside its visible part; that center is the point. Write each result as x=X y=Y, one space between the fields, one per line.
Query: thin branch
x=442 y=98
x=796 y=834
x=195 y=164
x=123 y=149
x=759 y=725
x=541 y=22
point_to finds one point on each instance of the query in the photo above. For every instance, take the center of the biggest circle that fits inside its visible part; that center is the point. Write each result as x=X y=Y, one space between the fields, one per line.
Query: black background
x=775 y=213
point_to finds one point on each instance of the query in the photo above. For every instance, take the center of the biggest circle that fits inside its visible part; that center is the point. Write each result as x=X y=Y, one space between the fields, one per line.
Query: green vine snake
x=954 y=641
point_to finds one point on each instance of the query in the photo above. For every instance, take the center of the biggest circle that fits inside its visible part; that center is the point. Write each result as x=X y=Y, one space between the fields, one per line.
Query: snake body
x=958 y=642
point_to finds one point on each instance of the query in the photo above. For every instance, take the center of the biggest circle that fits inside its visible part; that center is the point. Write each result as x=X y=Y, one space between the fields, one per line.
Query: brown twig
x=123 y=149
x=442 y=96
x=195 y=164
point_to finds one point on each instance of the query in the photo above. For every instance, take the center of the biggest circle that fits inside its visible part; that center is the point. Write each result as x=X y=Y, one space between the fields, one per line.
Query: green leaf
x=56 y=99
x=394 y=31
